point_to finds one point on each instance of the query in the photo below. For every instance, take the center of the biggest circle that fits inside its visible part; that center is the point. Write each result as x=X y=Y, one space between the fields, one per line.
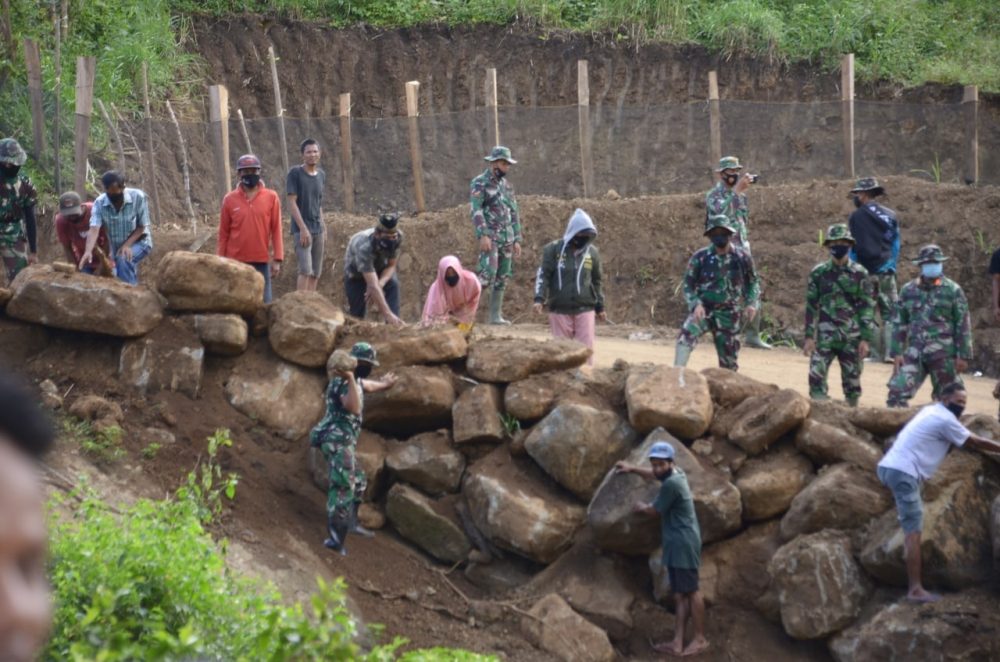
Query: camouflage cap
x=719 y=221
x=868 y=185
x=838 y=232
x=363 y=351
x=500 y=153
x=12 y=153
x=729 y=163
x=929 y=253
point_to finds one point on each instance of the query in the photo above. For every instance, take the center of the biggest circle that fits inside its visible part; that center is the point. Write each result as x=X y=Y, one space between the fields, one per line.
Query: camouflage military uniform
x=495 y=215
x=721 y=200
x=337 y=437
x=723 y=284
x=839 y=315
x=18 y=198
x=931 y=328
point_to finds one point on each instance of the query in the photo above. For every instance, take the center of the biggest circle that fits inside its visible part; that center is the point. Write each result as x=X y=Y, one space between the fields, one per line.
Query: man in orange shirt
x=250 y=223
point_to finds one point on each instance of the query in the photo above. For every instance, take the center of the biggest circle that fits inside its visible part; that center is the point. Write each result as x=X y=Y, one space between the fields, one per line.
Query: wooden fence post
x=714 y=118
x=346 y=151
x=34 y=66
x=218 y=114
x=847 y=103
x=583 y=117
x=85 y=69
x=280 y=111
x=57 y=121
x=115 y=135
x=491 y=103
x=412 y=111
x=243 y=130
x=970 y=104
x=151 y=159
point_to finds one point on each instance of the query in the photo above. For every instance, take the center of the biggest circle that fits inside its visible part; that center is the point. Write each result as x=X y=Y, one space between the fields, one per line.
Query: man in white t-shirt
x=914 y=457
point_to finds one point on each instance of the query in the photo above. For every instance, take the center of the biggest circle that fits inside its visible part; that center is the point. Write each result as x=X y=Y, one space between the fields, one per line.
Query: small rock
x=778 y=414
x=554 y=627
x=94 y=408
x=370 y=517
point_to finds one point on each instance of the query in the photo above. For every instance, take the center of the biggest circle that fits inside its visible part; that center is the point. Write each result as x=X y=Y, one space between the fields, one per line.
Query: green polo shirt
x=678 y=524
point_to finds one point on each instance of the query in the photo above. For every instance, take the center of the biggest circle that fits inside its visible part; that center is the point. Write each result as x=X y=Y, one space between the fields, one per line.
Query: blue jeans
x=264 y=269
x=906 y=491
x=127 y=270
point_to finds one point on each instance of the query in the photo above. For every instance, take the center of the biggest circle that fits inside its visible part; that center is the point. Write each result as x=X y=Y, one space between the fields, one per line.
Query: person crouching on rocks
x=681 y=539
x=453 y=296
x=337 y=438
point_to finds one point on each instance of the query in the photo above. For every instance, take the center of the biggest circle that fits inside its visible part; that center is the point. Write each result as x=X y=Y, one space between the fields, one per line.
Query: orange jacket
x=248 y=227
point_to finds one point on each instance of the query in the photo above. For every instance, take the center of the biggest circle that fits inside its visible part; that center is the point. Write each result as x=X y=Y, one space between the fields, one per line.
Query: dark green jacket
x=569 y=284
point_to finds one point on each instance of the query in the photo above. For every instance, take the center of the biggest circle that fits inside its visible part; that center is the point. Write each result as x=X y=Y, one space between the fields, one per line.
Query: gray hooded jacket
x=569 y=281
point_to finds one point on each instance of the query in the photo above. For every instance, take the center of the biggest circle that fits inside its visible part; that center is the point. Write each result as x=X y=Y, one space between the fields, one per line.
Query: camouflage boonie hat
x=929 y=253
x=500 y=153
x=363 y=351
x=838 y=232
x=719 y=221
x=868 y=185
x=729 y=163
x=12 y=153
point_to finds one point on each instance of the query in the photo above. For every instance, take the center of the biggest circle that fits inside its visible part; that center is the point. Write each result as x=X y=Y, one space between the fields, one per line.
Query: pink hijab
x=460 y=301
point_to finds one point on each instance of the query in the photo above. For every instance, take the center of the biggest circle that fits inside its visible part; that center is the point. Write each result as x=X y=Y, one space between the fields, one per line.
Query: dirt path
x=783 y=366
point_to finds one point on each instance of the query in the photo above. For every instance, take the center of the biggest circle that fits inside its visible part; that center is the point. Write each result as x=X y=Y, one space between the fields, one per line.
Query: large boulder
x=553 y=626
x=730 y=388
x=676 y=399
x=304 y=328
x=428 y=461
x=477 y=416
x=371 y=454
x=510 y=359
x=431 y=525
x=203 y=283
x=769 y=483
x=732 y=569
x=532 y=398
x=843 y=496
x=617 y=528
x=168 y=359
x=79 y=302
x=826 y=444
x=411 y=345
x=838 y=414
x=512 y=505
x=882 y=421
x=222 y=334
x=421 y=400
x=778 y=414
x=577 y=445
x=821 y=588
x=725 y=418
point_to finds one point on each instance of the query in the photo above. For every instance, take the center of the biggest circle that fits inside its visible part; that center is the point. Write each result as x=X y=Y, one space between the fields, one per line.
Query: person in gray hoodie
x=568 y=282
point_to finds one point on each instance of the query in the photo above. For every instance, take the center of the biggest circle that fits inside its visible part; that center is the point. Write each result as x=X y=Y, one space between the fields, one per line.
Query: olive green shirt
x=681 y=536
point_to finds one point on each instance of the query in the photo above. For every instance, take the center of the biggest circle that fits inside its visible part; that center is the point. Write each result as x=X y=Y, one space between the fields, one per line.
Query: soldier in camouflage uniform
x=337 y=438
x=932 y=333
x=840 y=317
x=498 y=228
x=722 y=290
x=18 y=241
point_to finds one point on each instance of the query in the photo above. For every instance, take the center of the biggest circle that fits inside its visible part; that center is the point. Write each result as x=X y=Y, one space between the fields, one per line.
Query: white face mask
x=931 y=269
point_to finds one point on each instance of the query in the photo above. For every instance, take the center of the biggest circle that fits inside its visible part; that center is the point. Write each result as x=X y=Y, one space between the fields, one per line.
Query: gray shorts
x=906 y=491
x=310 y=258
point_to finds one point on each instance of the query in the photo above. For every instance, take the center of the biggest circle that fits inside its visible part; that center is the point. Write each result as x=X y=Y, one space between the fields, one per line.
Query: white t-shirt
x=924 y=441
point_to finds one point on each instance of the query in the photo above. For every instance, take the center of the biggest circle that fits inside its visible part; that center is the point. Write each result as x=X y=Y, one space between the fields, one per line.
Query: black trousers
x=355 y=289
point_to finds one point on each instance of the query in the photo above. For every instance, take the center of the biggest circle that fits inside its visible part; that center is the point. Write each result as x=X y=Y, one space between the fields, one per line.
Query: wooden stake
x=583 y=118
x=34 y=66
x=218 y=115
x=135 y=144
x=714 y=118
x=970 y=103
x=150 y=149
x=243 y=130
x=847 y=102
x=85 y=70
x=113 y=130
x=491 y=103
x=57 y=121
x=346 y=151
x=280 y=110
x=184 y=167
x=412 y=111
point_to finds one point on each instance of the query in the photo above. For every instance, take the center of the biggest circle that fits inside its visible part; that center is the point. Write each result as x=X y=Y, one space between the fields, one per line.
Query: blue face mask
x=931 y=269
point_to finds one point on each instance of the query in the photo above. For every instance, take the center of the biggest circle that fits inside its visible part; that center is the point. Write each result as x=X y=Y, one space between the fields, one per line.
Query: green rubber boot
x=496 y=308
x=886 y=343
x=751 y=337
x=681 y=355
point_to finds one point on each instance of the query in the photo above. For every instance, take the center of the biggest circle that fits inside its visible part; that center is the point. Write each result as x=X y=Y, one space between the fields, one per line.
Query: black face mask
x=116 y=198
x=732 y=179
x=250 y=181
x=387 y=245
x=451 y=280
x=9 y=170
x=857 y=201
x=838 y=252
x=362 y=370
x=955 y=409
x=579 y=242
x=500 y=174
x=720 y=240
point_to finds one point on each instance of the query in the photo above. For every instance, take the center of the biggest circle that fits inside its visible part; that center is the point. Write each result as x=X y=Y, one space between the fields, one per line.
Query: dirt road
x=783 y=366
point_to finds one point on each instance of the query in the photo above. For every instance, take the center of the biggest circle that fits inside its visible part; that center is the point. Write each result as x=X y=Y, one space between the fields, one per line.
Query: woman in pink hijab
x=454 y=295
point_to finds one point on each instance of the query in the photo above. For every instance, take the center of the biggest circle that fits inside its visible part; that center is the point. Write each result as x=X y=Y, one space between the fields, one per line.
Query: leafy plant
x=151 y=449
x=103 y=445
x=511 y=425
x=935 y=170
x=646 y=274
x=203 y=487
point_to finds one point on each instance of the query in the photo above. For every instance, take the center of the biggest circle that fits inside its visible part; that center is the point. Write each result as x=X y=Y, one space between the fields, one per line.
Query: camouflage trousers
x=886 y=294
x=724 y=323
x=347 y=479
x=14 y=255
x=496 y=266
x=846 y=352
x=906 y=381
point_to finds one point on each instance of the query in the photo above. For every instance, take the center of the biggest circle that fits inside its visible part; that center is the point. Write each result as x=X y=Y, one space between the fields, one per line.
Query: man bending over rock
x=681 y=544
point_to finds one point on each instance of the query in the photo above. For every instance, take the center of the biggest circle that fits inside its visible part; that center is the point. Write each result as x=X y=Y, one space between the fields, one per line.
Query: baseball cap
x=70 y=204
x=661 y=450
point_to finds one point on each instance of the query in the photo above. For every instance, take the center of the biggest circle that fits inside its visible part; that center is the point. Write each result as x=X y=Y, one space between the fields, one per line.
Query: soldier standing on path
x=876 y=235
x=18 y=197
x=932 y=332
x=840 y=311
x=721 y=289
x=728 y=198
x=498 y=228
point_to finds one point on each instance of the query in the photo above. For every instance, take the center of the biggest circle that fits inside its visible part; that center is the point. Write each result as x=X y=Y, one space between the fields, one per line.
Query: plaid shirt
x=120 y=224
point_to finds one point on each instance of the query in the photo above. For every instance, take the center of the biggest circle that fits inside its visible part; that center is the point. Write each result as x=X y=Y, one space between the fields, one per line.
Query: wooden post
x=714 y=118
x=57 y=122
x=583 y=117
x=280 y=109
x=151 y=160
x=85 y=69
x=135 y=144
x=243 y=130
x=113 y=130
x=412 y=111
x=184 y=166
x=346 y=151
x=970 y=103
x=218 y=115
x=847 y=102
x=491 y=103
x=34 y=66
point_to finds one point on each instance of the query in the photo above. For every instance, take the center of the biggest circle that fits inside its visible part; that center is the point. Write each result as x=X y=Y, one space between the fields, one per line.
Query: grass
x=104 y=445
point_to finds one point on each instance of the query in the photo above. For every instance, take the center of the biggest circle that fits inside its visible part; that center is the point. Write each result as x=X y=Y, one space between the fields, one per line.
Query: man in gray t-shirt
x=304 y=188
